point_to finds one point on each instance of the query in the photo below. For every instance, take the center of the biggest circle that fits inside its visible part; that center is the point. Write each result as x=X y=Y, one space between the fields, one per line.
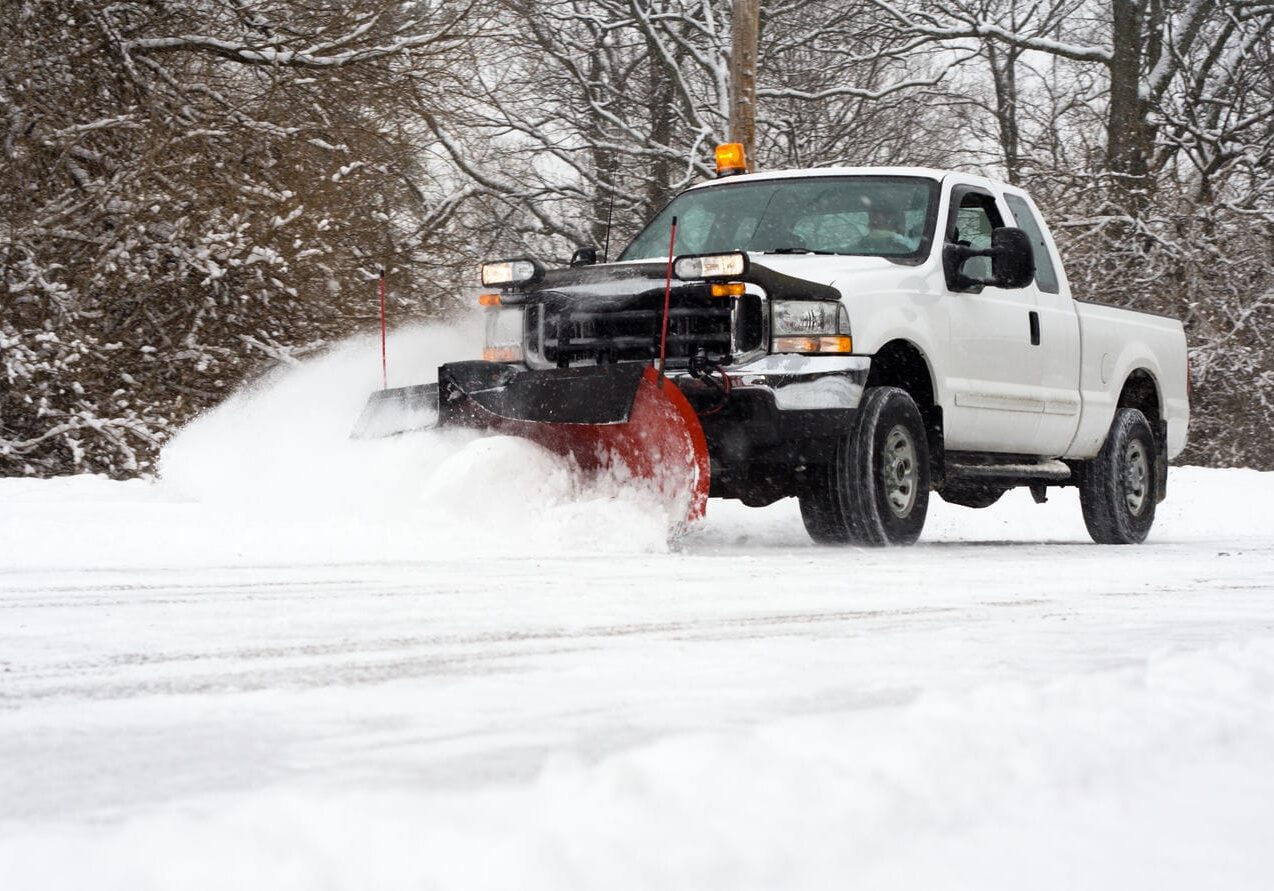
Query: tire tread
x=1101 y=488
x=844 y=506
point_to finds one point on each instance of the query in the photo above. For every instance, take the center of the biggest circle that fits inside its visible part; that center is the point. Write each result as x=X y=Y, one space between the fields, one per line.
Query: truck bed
x=1115 y=342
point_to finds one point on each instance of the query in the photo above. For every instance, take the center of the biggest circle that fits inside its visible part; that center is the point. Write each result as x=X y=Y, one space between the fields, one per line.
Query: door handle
x=1035 y=328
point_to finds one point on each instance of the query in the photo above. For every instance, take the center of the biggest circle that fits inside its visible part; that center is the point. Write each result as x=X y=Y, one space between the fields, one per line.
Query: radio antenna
x=610 y=211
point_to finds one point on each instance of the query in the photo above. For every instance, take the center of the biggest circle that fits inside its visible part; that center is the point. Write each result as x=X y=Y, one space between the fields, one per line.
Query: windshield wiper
x=796 y=250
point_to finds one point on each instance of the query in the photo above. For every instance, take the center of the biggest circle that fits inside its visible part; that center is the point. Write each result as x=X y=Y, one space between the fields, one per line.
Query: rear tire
x=876 y=490
x=1117 y=488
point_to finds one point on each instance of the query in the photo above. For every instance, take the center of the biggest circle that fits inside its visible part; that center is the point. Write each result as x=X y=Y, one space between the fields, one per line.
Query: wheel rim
x=1136 y=477
x=899 y=472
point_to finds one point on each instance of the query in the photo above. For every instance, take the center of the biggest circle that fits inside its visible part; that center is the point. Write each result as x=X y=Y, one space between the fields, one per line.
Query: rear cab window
x=1045 y=271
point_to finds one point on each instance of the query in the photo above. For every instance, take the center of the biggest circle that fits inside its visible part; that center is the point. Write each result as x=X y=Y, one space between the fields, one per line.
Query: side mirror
x=1012 y=262
x=1012 y=258
x=586 y=256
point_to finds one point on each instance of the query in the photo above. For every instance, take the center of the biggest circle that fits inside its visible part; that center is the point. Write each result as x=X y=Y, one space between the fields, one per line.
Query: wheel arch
x=1142 y=391
x=901 y=363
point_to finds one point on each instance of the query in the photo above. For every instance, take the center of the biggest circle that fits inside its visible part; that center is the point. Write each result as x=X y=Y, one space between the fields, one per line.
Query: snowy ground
x=300 y=662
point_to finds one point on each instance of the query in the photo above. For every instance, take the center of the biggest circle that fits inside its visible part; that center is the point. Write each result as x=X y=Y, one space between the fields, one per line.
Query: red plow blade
x=604 y=417
x=662 y=441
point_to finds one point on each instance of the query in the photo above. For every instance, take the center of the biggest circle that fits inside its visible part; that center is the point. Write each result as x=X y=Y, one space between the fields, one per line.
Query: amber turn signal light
x=488 y=300
x=837 y=343
x=502 y=354
x=729 y=289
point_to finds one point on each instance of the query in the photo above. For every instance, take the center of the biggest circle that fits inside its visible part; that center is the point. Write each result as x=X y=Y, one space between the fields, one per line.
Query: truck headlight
x=504 y=334
x=511 y=272
x=730 y=265
x=809 y=326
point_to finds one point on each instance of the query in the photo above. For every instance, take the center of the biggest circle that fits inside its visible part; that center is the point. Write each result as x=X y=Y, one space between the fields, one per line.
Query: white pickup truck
x=856 y=338
x=970 y=367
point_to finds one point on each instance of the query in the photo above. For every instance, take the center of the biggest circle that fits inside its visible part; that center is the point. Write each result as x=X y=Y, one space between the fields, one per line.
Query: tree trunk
x=1127 y=131
x=1003 y=62
x=604 y=165
x=661 y=100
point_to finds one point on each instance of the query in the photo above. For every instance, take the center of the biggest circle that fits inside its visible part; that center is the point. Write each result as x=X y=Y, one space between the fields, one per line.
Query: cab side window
x=971 y=224
x=1045 y=273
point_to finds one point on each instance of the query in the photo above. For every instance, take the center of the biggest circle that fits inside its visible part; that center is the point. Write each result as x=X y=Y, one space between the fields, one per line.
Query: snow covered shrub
x=192 y=191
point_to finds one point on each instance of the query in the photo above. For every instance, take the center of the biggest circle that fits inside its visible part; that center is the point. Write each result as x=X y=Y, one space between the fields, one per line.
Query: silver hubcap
x=898 y=471
x=1136 y=477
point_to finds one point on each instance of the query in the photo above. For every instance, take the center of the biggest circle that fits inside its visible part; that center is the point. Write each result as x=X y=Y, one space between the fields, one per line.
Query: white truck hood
x=845 y=273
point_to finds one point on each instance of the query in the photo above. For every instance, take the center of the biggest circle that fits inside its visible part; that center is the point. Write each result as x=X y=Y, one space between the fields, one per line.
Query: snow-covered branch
x=954 y=23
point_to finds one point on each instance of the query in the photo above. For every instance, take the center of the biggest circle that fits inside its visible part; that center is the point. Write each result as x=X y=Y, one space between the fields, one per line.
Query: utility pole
x=745 y=27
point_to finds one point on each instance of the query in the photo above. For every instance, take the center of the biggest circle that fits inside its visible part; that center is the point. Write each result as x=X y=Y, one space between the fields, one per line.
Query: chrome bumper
x=794 y=383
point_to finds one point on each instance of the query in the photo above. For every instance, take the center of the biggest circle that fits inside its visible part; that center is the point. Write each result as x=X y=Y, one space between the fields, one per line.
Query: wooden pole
x=745 y=26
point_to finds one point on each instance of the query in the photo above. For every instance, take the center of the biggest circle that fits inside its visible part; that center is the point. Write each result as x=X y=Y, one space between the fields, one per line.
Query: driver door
x=995 y=371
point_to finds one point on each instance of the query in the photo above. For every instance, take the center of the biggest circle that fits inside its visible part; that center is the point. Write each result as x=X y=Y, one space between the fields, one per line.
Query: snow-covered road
x=439 y=663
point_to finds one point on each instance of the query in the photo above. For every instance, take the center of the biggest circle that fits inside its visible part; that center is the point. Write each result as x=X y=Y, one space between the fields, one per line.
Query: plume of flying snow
x=276 y=461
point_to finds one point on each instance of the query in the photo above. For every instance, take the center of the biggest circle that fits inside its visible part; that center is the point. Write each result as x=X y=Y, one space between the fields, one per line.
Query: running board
x=1050 y=471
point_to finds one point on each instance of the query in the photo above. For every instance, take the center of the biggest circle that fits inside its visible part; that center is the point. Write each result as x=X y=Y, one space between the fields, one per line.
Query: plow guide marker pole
x=663 y=336
x=384 y=358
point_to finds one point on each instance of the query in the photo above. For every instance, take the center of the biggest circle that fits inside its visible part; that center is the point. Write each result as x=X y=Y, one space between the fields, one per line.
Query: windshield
x=876 y=216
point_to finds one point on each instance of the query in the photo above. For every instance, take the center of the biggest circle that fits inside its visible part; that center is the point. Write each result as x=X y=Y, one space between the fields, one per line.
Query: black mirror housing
x=1012 y=262
x=1012 y=258
x=585 y=256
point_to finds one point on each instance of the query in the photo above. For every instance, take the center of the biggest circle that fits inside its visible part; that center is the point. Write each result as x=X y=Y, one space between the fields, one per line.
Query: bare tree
x=586 y=113
x=1151 y=53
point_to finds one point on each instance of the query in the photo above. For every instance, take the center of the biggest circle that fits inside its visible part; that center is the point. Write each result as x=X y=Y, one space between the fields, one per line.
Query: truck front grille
x=564 y=334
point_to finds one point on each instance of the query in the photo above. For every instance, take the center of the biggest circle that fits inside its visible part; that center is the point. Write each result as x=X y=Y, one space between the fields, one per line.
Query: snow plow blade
x=401 y=410
x=602 y=416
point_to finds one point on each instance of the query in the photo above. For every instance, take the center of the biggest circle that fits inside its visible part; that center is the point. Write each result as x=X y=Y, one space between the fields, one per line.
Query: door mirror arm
x=954 y=256
x=585 y=256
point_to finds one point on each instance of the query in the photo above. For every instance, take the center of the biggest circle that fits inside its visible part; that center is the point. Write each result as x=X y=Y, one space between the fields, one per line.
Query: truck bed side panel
x=1114 y=343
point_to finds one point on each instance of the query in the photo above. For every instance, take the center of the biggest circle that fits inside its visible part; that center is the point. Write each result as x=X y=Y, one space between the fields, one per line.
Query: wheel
x=1117 y=488
x=970 y=495
x=876 y=490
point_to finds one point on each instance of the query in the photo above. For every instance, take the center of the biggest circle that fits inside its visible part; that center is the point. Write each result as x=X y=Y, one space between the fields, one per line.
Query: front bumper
x=785 y=413
x=793 y=383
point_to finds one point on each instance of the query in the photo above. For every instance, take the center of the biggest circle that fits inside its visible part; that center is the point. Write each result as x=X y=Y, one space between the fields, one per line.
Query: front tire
x=1117 y=488
x=876 y=490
